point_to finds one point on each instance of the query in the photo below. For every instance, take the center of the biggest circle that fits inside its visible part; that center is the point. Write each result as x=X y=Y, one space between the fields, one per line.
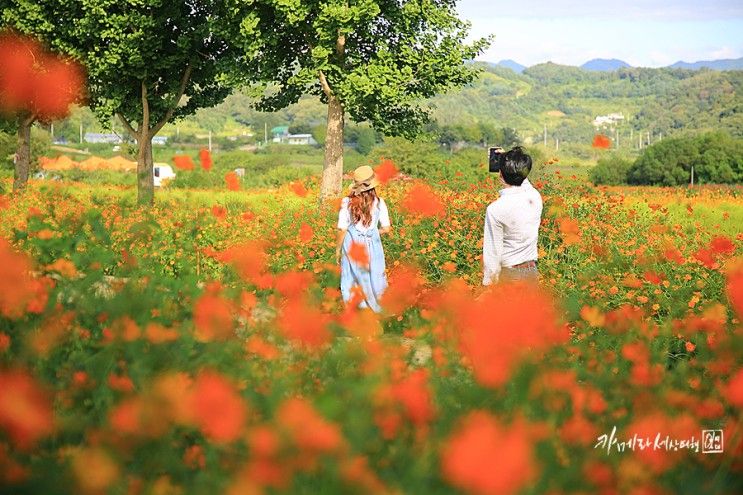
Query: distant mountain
x=510 y=64
x=604 y=64
x=725 y=64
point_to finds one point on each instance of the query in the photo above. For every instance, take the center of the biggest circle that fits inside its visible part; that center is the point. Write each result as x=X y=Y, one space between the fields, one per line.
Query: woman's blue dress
x=371 y=279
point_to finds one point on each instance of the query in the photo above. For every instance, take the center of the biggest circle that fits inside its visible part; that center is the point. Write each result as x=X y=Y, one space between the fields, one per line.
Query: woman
x=362 y=213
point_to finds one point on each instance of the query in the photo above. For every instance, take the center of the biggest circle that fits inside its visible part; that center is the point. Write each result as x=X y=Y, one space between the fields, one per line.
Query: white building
x=610 y=120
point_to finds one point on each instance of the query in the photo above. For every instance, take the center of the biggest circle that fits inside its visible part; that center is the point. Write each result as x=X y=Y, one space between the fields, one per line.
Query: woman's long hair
x=360 y=206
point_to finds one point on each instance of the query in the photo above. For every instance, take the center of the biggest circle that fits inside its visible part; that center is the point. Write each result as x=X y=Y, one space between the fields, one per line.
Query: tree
x=35 y=85
x=373 y=60
x=142 y=58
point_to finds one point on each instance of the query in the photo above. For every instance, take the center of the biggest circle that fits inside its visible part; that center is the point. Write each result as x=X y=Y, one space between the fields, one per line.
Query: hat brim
x=365 y=186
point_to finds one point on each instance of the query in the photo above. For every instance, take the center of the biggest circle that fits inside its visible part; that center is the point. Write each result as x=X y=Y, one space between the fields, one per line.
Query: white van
x=163 y=173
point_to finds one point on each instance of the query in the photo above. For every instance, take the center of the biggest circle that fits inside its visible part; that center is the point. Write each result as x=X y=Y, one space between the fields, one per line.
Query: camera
x=495 y=159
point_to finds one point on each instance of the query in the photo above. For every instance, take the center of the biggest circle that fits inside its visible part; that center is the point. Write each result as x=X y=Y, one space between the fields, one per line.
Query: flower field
x=202 y=346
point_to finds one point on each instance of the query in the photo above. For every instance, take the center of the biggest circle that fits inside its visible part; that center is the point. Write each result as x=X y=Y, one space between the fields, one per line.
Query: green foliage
x=611 y=170
x=132 y=46
x=716 y=158
x=379 y=58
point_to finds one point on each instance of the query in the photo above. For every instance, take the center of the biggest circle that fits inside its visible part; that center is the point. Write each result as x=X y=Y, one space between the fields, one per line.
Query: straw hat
x=364 y=179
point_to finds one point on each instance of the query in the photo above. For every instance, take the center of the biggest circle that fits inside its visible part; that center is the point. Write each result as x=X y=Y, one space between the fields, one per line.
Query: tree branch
x=325 y=86
x=181 y=90
x=127 y=125
x=144 y=128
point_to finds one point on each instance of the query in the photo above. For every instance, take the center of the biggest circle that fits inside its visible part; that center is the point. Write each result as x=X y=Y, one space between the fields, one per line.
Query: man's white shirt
x=511 y=230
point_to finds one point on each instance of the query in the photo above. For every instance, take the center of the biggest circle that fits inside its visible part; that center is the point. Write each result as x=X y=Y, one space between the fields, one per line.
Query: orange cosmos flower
x=183 y=162
x=481 y=442
x=601 y=141
x=308 y=429
x=25 y=410
x=16 y=286
x=734 y=390
x=304 y=324
x=232 y=181
x=305 y=233
x=386 y=170
x=359 y=254
x=422 y=200
x=298 y=189
x=218 y=408
x=213 y=315
x=205 y=157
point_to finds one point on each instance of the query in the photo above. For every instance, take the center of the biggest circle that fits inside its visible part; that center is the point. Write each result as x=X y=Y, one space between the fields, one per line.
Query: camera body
x=496 y=156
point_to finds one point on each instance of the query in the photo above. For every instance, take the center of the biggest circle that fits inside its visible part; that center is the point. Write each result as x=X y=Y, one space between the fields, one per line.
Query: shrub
x=610 y=170
x=716 y=158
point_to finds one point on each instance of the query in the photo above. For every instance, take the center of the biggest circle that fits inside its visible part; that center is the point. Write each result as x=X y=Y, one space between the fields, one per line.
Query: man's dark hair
x=516 y=166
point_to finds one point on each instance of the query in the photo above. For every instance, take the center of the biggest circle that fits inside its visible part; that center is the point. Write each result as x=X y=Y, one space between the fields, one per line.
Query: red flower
x=205 y=158
x=722 y=245
x=309 y=430
x=734 y=390
x=219 y=212
x=415 y=396
x=480 y=443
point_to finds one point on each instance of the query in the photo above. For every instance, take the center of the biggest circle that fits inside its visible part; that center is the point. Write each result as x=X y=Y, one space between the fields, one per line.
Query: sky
x=644 y=33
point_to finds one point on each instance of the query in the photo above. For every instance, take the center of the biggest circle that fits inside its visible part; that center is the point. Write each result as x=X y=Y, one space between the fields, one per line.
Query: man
x=509 y=248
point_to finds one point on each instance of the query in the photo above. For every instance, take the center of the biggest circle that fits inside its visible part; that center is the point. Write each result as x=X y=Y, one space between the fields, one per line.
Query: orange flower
x=722 y=245
x=593 y=316
x=232 y=181
x=569 y=230
x=601 y=141
x=25 y=410
x=249 y=259
x=16 y=287
x=415 y=396
x=734 y=286
x=293 y=283
x=308 y=429
x=219 y=212
x=305 y=233
x=218 y=408
x=422 y=200
x=213 y=315
x=304 y=324
x=359 y=254
x=386 y=170
x=734 y=390
x=183 y=162
x=205 y=158
x=481 y=442
x=298 y=189
x=403 y=289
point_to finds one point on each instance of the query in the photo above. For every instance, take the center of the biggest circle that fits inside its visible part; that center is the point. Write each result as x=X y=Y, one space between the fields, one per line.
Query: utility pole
x=545 y=135
x=81 y=132
x=692 y=175
x=210 y=141
x=648 y=138
x=52 y=131
x=557 y=144
x=265 y=133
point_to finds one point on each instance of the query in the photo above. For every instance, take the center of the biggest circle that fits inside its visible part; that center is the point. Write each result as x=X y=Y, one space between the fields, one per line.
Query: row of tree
x=148 y=63
x=712 y=158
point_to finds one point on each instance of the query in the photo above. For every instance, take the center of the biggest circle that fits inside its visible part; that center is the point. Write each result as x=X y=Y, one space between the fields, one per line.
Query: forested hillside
x=654 y=102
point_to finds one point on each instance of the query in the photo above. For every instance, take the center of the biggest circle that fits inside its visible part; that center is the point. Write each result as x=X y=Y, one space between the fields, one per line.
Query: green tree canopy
x=147 y=62
x=374 y=60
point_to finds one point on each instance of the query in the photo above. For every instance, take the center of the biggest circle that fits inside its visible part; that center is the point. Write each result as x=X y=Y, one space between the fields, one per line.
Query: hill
x=725 y=64
x=603 y=64
x=513 y=65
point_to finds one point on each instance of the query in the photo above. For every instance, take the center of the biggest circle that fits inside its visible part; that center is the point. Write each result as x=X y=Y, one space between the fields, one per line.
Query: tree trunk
x=145 y=179
x=332 y=173
x=23 y=154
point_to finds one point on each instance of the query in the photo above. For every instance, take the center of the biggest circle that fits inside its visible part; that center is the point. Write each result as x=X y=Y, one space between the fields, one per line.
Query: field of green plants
x=202 y=346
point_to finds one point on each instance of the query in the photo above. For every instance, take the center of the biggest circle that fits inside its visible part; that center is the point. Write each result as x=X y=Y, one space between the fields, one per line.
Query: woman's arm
x=385 y=230
x=338 y=243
